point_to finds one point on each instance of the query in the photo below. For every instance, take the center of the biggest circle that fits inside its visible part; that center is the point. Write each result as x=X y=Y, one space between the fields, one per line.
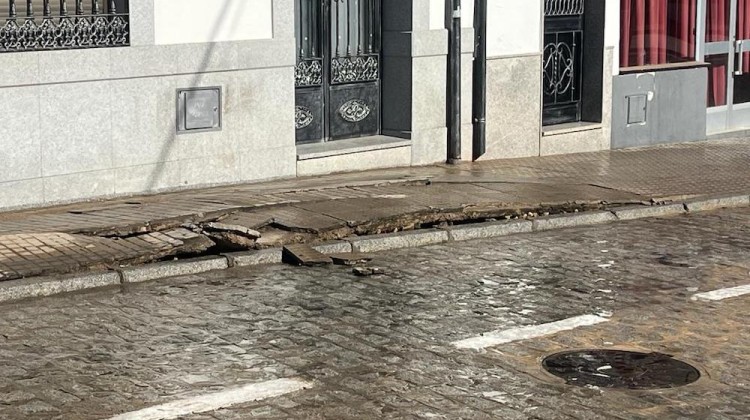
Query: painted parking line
x=494 y=338
x=722 y=294
x=217 y=400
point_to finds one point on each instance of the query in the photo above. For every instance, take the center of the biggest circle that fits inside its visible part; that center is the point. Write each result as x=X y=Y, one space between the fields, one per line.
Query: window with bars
x=34 y=25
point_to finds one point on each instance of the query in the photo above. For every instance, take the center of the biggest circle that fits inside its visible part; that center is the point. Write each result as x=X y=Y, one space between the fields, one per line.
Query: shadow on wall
x=219 y=24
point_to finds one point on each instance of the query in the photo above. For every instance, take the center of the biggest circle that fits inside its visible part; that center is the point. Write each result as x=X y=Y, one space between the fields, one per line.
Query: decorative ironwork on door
x=337 y=76
x=562 y=65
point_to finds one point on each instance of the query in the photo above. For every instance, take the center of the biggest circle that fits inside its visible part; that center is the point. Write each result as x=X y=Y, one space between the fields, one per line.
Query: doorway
x=338 y=72
x=727 y=51
x=562 y=64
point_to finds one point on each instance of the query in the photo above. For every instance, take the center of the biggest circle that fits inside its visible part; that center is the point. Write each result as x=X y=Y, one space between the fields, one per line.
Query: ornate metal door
x=562 y=66
x=337 y=77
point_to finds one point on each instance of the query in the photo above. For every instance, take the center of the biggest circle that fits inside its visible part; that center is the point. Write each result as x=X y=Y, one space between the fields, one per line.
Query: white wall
x=612 y=32
x=196 y=21
x=513 y=27
x=467 y=13
x=437 y=14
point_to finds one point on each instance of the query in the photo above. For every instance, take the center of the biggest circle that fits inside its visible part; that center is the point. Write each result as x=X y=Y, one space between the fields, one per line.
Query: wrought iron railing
x=563 y=7
x=34 y=25
x=353 y=38
x=355 y=41
x=308 y=22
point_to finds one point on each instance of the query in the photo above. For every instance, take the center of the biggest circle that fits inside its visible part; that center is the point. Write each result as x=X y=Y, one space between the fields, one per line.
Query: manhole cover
x=620 y=369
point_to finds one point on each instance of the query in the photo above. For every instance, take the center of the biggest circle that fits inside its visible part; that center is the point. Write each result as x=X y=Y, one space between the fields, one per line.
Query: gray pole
x=479 y=96
x=454 y=81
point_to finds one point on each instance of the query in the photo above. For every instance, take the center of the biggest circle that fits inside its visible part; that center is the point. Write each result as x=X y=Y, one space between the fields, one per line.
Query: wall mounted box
x=198 y=109
x=637 y=109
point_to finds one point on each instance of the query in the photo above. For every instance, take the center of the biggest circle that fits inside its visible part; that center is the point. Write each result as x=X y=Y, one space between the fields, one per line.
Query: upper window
x=657 y=32
x=34 y=25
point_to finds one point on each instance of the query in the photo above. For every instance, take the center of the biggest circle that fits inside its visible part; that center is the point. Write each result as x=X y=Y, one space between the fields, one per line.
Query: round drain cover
x=620 y=369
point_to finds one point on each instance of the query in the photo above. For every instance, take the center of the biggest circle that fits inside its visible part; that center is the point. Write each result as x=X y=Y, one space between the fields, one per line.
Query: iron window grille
x=563 y=60
x=39 y=25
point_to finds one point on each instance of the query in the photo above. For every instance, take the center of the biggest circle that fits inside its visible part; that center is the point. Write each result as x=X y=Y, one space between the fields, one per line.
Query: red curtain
x=743 y=28
x=657 y=31
x=717 y=29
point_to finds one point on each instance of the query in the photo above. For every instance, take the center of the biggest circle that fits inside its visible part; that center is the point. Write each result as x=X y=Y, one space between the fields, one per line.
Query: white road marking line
x=722 y=294
x=215 y=401
x=495 y=338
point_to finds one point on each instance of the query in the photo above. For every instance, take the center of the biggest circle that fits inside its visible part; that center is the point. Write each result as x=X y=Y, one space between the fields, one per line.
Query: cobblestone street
x=380 y=347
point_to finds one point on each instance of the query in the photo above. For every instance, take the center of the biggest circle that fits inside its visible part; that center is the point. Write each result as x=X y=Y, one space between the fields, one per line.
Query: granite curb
x=47 y=286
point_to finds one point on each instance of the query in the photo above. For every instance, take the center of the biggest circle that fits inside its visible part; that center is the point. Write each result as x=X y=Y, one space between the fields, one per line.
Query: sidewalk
x=137 y=230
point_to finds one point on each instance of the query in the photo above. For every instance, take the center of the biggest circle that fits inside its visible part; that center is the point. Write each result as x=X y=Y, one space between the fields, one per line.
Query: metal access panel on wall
x=199 y=109
x=337 y=77
x=563 y=60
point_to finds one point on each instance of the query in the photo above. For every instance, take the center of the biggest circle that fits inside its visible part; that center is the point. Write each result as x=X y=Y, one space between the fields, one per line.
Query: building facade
x=115 y=97
x=683 y=71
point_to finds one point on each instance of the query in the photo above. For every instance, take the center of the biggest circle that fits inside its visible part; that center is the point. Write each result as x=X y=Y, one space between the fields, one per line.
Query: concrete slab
x=361 y=210
x=298 y=219
x=561 y=193
x=304 y=255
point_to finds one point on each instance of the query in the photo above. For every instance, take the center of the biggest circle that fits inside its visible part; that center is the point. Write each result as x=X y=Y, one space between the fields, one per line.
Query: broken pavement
x=139 y=230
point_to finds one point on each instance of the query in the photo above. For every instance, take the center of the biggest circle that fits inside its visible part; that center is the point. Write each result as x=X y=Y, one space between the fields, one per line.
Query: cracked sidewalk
x=137 y=230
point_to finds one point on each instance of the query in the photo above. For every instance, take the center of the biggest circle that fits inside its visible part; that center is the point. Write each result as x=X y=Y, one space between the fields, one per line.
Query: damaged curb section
x=14 y=290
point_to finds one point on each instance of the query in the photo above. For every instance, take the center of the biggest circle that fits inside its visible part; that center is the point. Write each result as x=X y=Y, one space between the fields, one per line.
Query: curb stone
x=338 y=247
x=489 y=230
x=715 y=203
x=639 y=212
x=46 y=286
x=249 y=258
x=572 y=220
x=171 y=269
x=409 y=239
